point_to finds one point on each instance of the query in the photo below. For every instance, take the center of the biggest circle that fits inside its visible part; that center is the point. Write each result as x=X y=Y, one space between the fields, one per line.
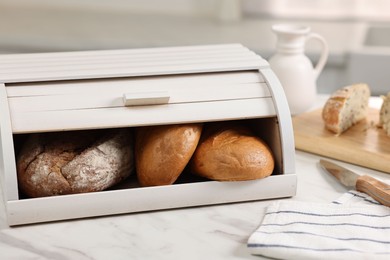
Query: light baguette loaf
x=231 y=152
x=346 y=107
x=74 y=162
x=384 y=114
x=162 y=152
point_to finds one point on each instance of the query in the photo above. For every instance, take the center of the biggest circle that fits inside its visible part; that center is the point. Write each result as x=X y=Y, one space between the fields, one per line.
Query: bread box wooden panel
x=128 y=88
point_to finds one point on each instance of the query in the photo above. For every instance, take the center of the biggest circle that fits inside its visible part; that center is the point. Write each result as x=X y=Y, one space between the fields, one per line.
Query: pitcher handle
x=324 y=53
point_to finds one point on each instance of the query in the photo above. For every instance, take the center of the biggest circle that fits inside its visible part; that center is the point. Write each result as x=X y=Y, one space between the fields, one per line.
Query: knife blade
x=378 y=190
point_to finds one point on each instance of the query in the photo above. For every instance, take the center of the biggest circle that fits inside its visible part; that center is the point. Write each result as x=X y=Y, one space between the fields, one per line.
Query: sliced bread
x=346 y=107
x=384 y=115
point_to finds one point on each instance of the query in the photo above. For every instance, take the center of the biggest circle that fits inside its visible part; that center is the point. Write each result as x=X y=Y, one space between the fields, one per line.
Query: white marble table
x=210 y=232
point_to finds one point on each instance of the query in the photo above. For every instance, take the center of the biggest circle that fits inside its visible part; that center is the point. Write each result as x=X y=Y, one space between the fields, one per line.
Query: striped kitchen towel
x=356 y=198
x=339 y=230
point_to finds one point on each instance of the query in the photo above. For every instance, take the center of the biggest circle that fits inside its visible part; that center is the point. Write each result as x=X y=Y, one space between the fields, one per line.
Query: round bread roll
x=74 y=162
x=231 y=152
x=162 y=152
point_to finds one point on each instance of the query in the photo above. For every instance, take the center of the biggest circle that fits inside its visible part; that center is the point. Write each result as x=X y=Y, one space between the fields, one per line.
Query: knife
x=376 y=189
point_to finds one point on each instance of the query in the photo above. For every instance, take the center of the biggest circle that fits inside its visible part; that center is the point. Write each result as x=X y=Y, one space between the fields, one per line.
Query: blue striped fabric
x=352 y=227
x=354 y=197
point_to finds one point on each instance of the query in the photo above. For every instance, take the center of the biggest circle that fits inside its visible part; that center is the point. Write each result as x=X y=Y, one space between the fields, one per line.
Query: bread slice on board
x=346 y=107
x=384 y=115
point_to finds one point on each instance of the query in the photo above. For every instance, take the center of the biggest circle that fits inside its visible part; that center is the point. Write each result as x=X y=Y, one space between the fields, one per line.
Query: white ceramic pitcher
x=294 y=70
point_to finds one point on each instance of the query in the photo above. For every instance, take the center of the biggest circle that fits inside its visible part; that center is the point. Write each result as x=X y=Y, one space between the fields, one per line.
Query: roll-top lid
x=127 y=63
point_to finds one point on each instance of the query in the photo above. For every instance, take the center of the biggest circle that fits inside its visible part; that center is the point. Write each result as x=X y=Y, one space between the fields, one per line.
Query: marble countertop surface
x=209 y=232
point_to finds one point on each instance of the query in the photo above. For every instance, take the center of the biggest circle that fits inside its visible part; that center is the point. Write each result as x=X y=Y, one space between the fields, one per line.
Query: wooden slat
x=129 y=72
x=140 y=59
x=122 y=62
x=207 y=80
x=108 y=64
x=141 y=115
x=159 y=51
x=112 y=97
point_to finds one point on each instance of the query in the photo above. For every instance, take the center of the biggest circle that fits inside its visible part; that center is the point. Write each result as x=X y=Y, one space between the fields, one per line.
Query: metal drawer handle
x=146 y=98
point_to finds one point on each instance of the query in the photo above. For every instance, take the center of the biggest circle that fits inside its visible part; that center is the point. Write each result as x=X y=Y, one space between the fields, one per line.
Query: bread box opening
x=264 y=128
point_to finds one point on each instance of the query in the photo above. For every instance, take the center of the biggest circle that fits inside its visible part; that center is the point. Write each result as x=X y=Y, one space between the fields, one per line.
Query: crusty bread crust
x=346 y=107
x=231 y=152
x=74 y=162
x=384 y=114
x=162 y=152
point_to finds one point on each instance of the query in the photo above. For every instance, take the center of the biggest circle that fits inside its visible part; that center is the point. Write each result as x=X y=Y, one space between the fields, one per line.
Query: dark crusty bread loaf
x=346 y=107
x=231 y=152
x=162 y=152
x=74 y=162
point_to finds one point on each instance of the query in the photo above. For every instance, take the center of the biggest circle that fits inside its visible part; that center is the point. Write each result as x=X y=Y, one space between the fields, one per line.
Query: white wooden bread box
x=128 y=88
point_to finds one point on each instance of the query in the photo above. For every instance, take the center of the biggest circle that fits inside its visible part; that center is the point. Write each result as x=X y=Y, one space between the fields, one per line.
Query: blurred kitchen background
x=357 y=31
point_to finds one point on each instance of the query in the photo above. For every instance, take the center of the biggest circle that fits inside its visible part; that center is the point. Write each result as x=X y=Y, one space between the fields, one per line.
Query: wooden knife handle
x=376 y=189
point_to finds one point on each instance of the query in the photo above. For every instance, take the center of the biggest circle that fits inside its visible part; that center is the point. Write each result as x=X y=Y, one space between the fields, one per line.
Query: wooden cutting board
x=363 y=144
